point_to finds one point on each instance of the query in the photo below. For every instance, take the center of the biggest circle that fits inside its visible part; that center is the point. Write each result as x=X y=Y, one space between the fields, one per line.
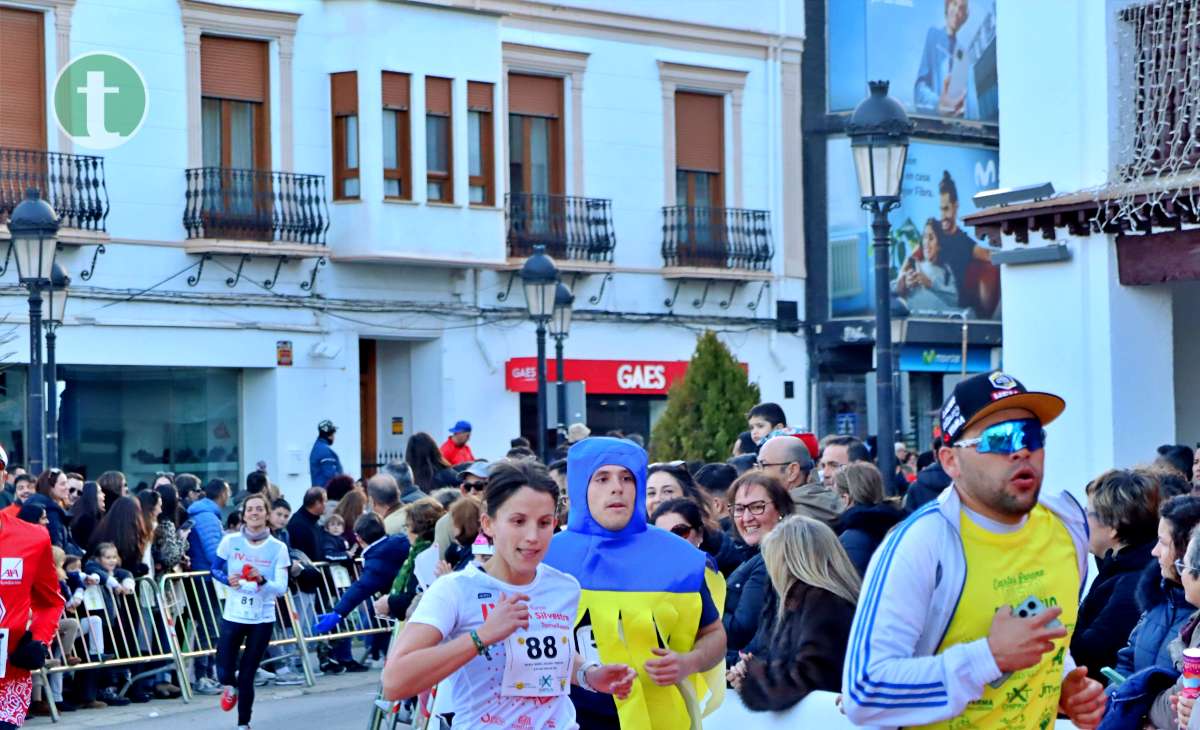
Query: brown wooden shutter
x=22 y=80
x=233 y=68
x=395 y=90
x=437 y=95
x=538 y=96
x=699 y=132
x=479 y=96
x=343 y=90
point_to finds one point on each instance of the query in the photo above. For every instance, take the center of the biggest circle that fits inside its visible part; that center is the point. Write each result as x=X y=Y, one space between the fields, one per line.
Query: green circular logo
x=100 y=100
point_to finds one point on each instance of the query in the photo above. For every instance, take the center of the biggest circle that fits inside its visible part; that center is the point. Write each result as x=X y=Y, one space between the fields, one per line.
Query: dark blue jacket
x=381 y=564
x=206 y=533
x=745 y=594
x=323 y=463
x=1164 y=612
x=1129 y=703
x=1110 y=611
x=57 y=526
x=862 y=528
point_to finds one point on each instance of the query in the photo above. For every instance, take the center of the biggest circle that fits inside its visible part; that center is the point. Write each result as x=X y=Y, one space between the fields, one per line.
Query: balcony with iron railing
x=73 y=184
x=728 y=242
x=577 y=232
x=255 y=211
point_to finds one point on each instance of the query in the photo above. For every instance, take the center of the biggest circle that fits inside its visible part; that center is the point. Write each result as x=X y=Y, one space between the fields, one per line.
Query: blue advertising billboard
x=936 y=266
x=939 y=55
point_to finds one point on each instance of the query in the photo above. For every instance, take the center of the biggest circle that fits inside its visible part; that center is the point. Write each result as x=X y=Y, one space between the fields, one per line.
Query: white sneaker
x=262 y=676
x=207 y=686
x=287 y=678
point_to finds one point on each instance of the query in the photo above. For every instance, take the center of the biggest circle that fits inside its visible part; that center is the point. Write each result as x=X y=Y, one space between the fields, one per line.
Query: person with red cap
x=28 y=585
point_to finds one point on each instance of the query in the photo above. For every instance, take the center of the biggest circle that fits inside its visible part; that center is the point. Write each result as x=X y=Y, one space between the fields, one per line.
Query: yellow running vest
x=1003 y=570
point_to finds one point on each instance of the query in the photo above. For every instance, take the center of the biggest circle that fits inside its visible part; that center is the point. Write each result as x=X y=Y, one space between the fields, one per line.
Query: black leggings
x=257 y=637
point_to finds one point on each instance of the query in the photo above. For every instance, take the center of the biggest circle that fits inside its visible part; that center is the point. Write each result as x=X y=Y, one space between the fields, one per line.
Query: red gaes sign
x=646 y=377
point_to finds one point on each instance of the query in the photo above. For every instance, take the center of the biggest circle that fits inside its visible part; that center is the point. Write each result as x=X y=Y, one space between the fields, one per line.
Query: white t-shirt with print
x=457 y=603
x=270 y=558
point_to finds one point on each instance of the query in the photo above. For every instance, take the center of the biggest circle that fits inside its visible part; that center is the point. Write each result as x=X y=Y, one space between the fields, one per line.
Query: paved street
x=335 y=703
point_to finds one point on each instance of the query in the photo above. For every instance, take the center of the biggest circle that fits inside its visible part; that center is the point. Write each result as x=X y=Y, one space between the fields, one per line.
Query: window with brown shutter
x=481 y=154
x=699 y=149
x=22 y=80
x=235 y=99
x=535 y=140
x=439 y=158
x=343 y=92
x=397 y=159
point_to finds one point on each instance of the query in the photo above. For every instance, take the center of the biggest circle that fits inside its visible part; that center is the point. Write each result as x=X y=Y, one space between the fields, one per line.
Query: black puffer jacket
x=727 y=551
x=931 y=481
x=1109 y=611
x=862 y=528
x=807 y=650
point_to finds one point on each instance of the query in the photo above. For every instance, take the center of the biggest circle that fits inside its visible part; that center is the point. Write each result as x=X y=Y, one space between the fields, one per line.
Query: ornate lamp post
x=560 y=329
x=34 y=229
x=879 y=130
x=539 y=276
x=53 y=309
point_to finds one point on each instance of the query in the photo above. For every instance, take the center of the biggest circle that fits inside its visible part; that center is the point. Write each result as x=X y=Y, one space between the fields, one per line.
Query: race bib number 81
x=537 y=664
x=241 y=607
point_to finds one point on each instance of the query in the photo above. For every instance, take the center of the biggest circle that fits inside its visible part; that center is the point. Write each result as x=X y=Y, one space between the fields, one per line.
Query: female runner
x=506 y=627
x=255 y=566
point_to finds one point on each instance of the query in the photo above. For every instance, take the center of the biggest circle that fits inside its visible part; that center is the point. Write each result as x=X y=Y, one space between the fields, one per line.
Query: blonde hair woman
x=868 y=515
x=815 y=591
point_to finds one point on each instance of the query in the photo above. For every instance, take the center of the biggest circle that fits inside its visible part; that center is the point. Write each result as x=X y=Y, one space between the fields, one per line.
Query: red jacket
x=28 y=583
x=456 y=454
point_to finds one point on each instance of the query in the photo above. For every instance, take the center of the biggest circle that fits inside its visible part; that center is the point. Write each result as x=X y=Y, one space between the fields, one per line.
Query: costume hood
x=638 y=557
x=583 y=459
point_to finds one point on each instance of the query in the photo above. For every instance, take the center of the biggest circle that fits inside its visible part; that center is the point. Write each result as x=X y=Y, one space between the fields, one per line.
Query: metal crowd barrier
x=171 y=622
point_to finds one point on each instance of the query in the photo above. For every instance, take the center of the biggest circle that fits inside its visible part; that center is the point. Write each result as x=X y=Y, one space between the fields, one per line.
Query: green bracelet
x=480 y=647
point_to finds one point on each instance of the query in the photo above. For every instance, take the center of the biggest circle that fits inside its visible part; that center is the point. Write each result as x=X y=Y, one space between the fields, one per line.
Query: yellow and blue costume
x=642 y=589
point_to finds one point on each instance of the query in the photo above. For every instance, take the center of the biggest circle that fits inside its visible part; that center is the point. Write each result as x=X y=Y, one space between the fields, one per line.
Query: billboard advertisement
x=939 y=55
x=936 y=266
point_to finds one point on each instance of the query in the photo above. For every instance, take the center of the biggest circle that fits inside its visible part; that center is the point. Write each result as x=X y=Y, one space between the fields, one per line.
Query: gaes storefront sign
x=650 y=377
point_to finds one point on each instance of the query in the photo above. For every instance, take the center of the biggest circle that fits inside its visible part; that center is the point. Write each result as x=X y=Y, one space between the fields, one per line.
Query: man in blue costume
x=644 y=599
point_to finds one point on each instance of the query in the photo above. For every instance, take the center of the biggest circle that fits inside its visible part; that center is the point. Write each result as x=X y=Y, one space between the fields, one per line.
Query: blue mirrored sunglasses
x=1008 y=437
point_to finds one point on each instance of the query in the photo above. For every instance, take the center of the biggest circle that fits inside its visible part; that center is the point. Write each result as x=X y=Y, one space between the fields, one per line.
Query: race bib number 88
x=537 y=664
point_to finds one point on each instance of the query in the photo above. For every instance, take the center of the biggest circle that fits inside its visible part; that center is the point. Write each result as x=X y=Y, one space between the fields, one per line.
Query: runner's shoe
x=228 y=699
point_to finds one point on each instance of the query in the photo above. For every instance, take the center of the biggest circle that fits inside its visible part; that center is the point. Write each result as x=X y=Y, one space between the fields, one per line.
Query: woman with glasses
x=1172 y=706
x=670 y=481
x=806 y=621
x=1159 y=594
x=757 y=501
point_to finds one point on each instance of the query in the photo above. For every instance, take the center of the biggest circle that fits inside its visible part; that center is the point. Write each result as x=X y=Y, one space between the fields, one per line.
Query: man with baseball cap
x=967 y=607
x=323 y=461
x=455 y=448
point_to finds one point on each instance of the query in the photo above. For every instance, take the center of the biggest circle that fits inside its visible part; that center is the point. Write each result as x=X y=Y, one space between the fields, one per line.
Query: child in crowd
x=105 y=565
x=333 y=543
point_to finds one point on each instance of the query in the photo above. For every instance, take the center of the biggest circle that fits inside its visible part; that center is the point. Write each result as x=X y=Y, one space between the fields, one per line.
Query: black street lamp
x=54 y=307
x=540 y=279
x=34 y=229
x=560 y=329
x=879 y=130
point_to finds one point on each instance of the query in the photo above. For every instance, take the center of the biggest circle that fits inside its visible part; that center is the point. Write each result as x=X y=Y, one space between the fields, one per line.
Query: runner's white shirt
x=270 y=558
x=457 y=603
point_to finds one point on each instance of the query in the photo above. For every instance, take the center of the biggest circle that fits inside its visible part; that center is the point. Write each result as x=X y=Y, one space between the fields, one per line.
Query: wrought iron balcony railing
x=723 y=238
x=255 y=205
x=571 y=228
x=73 y=184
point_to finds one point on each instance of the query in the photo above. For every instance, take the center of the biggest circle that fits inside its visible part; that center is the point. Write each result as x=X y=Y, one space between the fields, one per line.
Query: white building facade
x=1103 y=282
x=324 y=211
